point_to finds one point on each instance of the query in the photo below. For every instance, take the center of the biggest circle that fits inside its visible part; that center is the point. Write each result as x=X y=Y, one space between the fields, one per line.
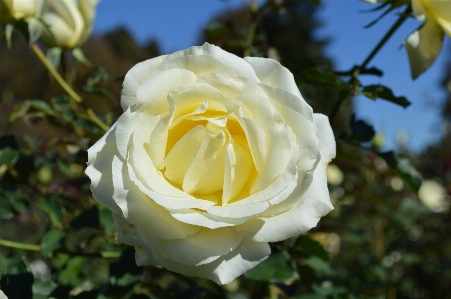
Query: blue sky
x=177 y=24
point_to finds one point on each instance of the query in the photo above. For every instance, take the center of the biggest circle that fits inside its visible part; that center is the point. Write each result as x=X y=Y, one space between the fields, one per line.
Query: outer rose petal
x=327 y=146
x=272 y=73
x=99 y=170
x=423 y=46
x=233 y=62
x=226 y=268
x=315 y=204
x=135 y=77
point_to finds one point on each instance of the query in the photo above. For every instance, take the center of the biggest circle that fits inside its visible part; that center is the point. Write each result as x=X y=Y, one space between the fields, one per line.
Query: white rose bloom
x=15 y=10
x=2 y=295
x=213 y=157
x=67 y=23
x=433 y=196
x=424 y=45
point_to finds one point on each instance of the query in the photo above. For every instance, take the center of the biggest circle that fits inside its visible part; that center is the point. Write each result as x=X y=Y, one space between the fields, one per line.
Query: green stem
x=72 y=94
x=37 y=51
x=95 y=119
x=387 y=36
x=20 y=246
x=370 y=56
x=252 y=28
x=37 y=248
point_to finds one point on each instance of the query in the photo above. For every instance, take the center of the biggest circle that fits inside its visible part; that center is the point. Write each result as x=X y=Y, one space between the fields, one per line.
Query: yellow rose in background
x=213 y=157
x=67 y=23
x=15 y=10
x=425 y=44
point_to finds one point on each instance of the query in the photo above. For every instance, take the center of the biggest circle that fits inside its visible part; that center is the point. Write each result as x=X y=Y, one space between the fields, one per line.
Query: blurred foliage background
x=386 y=238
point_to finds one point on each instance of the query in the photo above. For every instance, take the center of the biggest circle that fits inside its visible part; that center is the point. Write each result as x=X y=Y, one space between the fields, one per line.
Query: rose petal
x=423 y=46
x=179 y=158
x=135 y=77
x=144 y=256
x=143 y=212
x=272 y=73
x=327 y=146
x=235 y=63
x=201 y=248
x=204 y=219
x=315 y=204
x=99 y=170
x=226 y=268
x=205 y=173
x=126 y=232
x=277 y=143
x=231 y=85
x=199 y=65
x=153 y=92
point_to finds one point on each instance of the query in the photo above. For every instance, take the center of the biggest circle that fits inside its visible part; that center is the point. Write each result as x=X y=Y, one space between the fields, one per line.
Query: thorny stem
x=370 y=56
x=387 y=36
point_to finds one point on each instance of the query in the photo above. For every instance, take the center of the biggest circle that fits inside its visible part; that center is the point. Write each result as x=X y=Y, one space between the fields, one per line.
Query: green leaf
x=98 y=75
x=53 y=208
x=3 y=263
x=42 y=288
x=61 y=104
x=22 y=108
x=51 y=241
x=97 y=91
x=310 y=296
x=54 y=56
x=319 y=76
x=311 y=247
x=327 y=290
x=65 y=169
x=361 y=130
x=6 y=209
x=321 y=267
x=107 y=220
x=34 y=29
x=276 y=268
x=41 y=106
x=70 y=274
x=8 y=155
x=382 y=92
x=80 y=56
x=18 y=110
x=404 y=169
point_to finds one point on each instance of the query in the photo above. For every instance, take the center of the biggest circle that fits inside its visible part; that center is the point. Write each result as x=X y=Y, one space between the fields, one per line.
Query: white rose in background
x=16 y=10
x=67 y=23
x=425 y=44
x=433 y=196
x=213 y=157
